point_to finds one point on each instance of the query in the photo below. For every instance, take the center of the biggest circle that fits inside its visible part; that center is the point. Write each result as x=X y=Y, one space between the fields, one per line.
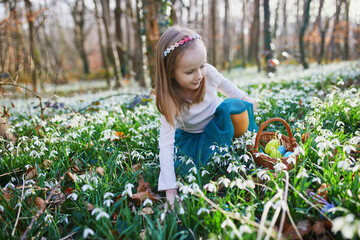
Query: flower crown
x=179 y=43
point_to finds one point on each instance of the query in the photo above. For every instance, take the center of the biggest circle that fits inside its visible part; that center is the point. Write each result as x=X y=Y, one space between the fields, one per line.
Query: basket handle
x=264 y=124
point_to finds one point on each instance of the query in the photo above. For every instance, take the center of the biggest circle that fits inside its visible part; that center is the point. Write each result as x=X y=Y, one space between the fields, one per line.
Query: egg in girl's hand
x=275 y=153
x=273 y=144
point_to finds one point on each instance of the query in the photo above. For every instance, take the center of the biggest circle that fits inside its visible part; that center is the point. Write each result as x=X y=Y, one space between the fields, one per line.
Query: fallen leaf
x=305 y=137
x=143 y=186
x=323 y=192
x=146 y=211
x=31 y=173
x=68 y=191
x=120 y=134
x=90 y=207
x=39 y=202
x=140 y=197
x=319 y=228
x=100 y=171
x=303 y=227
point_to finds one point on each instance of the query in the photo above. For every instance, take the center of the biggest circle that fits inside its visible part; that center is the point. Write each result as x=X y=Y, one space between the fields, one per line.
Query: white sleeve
x=224 y=85
x=167 y=178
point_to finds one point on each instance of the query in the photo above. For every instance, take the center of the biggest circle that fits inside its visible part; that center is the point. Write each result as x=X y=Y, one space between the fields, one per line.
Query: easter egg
x=282 y=149
x=288 y=154
x=273 y=144
x=275 y=153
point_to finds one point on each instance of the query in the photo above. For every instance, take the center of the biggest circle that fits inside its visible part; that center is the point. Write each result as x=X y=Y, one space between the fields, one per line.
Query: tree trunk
x=274 y=36
x=322 y=30
x=347 y=31
x=255 y=33
x=268 y=51
x=124 y=66
x=331 y=46
x=212 y=52
x=138 y=63
x=242 y=38
x=284 y=31
x=173 y=16
x=302 y=33
x=202 y=14
x=129 y=30
x=102 y=49
x=109 y=48
x=35 y=75
x=152 y=9
x=226 y=46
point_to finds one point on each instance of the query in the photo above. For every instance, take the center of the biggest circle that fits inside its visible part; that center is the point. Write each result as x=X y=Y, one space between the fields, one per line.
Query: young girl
x=193 y=116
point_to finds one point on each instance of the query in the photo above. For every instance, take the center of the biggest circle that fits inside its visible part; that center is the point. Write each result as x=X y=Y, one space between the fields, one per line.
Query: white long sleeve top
x=192 y=120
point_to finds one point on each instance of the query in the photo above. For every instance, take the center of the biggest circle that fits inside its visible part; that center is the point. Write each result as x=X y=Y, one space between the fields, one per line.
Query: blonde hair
x=169 y=99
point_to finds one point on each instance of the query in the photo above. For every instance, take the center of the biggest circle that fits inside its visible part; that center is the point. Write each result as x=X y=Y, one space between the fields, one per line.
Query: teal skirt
x=219 y=131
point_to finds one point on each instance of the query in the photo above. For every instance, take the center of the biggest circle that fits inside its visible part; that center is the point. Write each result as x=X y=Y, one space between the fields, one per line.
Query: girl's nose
x=199 y=74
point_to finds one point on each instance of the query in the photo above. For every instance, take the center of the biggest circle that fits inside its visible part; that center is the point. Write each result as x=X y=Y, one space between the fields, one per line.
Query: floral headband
x=179 y=43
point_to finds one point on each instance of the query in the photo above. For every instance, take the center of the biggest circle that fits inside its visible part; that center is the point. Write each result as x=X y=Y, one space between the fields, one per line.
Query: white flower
x=86 y=187
x=263 y=175
x=96 y=210
x=291 y=160
x=225 y=223
x=181 y=211
x=128 y=190
x=102 y=214
x=232 y=168
x=201 y=210
x=346 y=225
x=279 y=167
x=87 y=232
x=211 y=187
x=349 y=148
x=302 y=174
x=317 y=180
x=224 y=181
x=244 y=229
x=189 y=161
x=9 y=185
x=108 y=194
x=73 y=196
x=203 y=172
x=147 y=202
x=48 y=217
x=108 y=202
x=1 y=208
x=191 y=178
x=186 y=189
x=194 y=170
x=245 y=157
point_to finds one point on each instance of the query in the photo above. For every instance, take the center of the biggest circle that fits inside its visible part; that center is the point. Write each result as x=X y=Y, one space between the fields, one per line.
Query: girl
x=193 y=116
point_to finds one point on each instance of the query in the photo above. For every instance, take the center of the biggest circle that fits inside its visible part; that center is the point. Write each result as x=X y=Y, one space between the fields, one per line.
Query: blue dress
x=219 y=131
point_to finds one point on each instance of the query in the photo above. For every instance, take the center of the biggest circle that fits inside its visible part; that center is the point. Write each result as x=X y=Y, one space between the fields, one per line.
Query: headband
x=179 y=43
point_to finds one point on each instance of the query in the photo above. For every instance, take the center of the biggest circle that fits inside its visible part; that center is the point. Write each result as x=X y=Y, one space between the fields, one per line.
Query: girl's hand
x=171 y=195
x=251 y=100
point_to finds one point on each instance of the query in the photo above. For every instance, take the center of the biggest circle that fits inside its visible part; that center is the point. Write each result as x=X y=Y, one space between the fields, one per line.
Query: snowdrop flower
x=203 y=172
x=349 y=148
x=223 y=149
x=194 y=170
x=34 y=154
x=86 y=187
x=29 y=182
x=30 y=191
x=226 y=223
x=181 y=211
x=147 y=202
x=279 y=167
x=191 y=178
x=108 y=202
x=291 y=160
x=95 y=210
x=232 y=168
x=73 y=196
x=18 y=205
x=244 y=229
x=128 y=190
x=186 y=189
x=1 y=208
x=224 y=181
x=53 y=153
x=344 y=164
x=213 y=147
x=108 y=194
x=302 y=174
x=245 y=157
x=189 y=161
x=87 y=232
x=203 y=210
x=346 y=225
x=9 y=185
x=263 y=175
x=317 y=180
x=211 y=187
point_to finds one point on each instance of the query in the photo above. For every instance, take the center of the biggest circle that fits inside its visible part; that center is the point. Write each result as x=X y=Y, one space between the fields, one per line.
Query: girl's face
x=190 y=70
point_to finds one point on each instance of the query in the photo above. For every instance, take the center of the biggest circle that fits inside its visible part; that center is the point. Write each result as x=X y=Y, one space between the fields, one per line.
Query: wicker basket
x=261 y=159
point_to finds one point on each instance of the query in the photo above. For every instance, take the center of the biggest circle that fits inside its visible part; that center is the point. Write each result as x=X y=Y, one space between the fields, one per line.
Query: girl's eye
x=189 y=72
x=202 y=66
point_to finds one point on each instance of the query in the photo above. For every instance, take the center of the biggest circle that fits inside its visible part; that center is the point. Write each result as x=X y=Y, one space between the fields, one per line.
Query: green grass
x=226 y=199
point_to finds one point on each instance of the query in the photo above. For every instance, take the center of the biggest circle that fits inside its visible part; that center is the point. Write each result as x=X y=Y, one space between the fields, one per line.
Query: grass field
x=86 y=168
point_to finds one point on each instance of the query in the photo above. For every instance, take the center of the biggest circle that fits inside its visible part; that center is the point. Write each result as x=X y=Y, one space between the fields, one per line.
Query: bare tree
x=102 y=49
x=322 y=29
x=139 y=62
x=152 y=31
x=80 y=33
x=268 y=51
x=333 y=45
x=124 y=66
x=212 y=52
x=302 y=33
x=226 y=42
x=109 y=48
x=242 y=39
x=36 y=71
x=253 y=53
x=347 y=31
x=284 y=30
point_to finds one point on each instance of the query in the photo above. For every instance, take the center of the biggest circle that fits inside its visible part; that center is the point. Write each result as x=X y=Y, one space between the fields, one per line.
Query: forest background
x=64 y=41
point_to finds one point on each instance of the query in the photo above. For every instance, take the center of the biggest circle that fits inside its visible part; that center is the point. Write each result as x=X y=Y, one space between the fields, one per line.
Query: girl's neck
x=189 y=94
